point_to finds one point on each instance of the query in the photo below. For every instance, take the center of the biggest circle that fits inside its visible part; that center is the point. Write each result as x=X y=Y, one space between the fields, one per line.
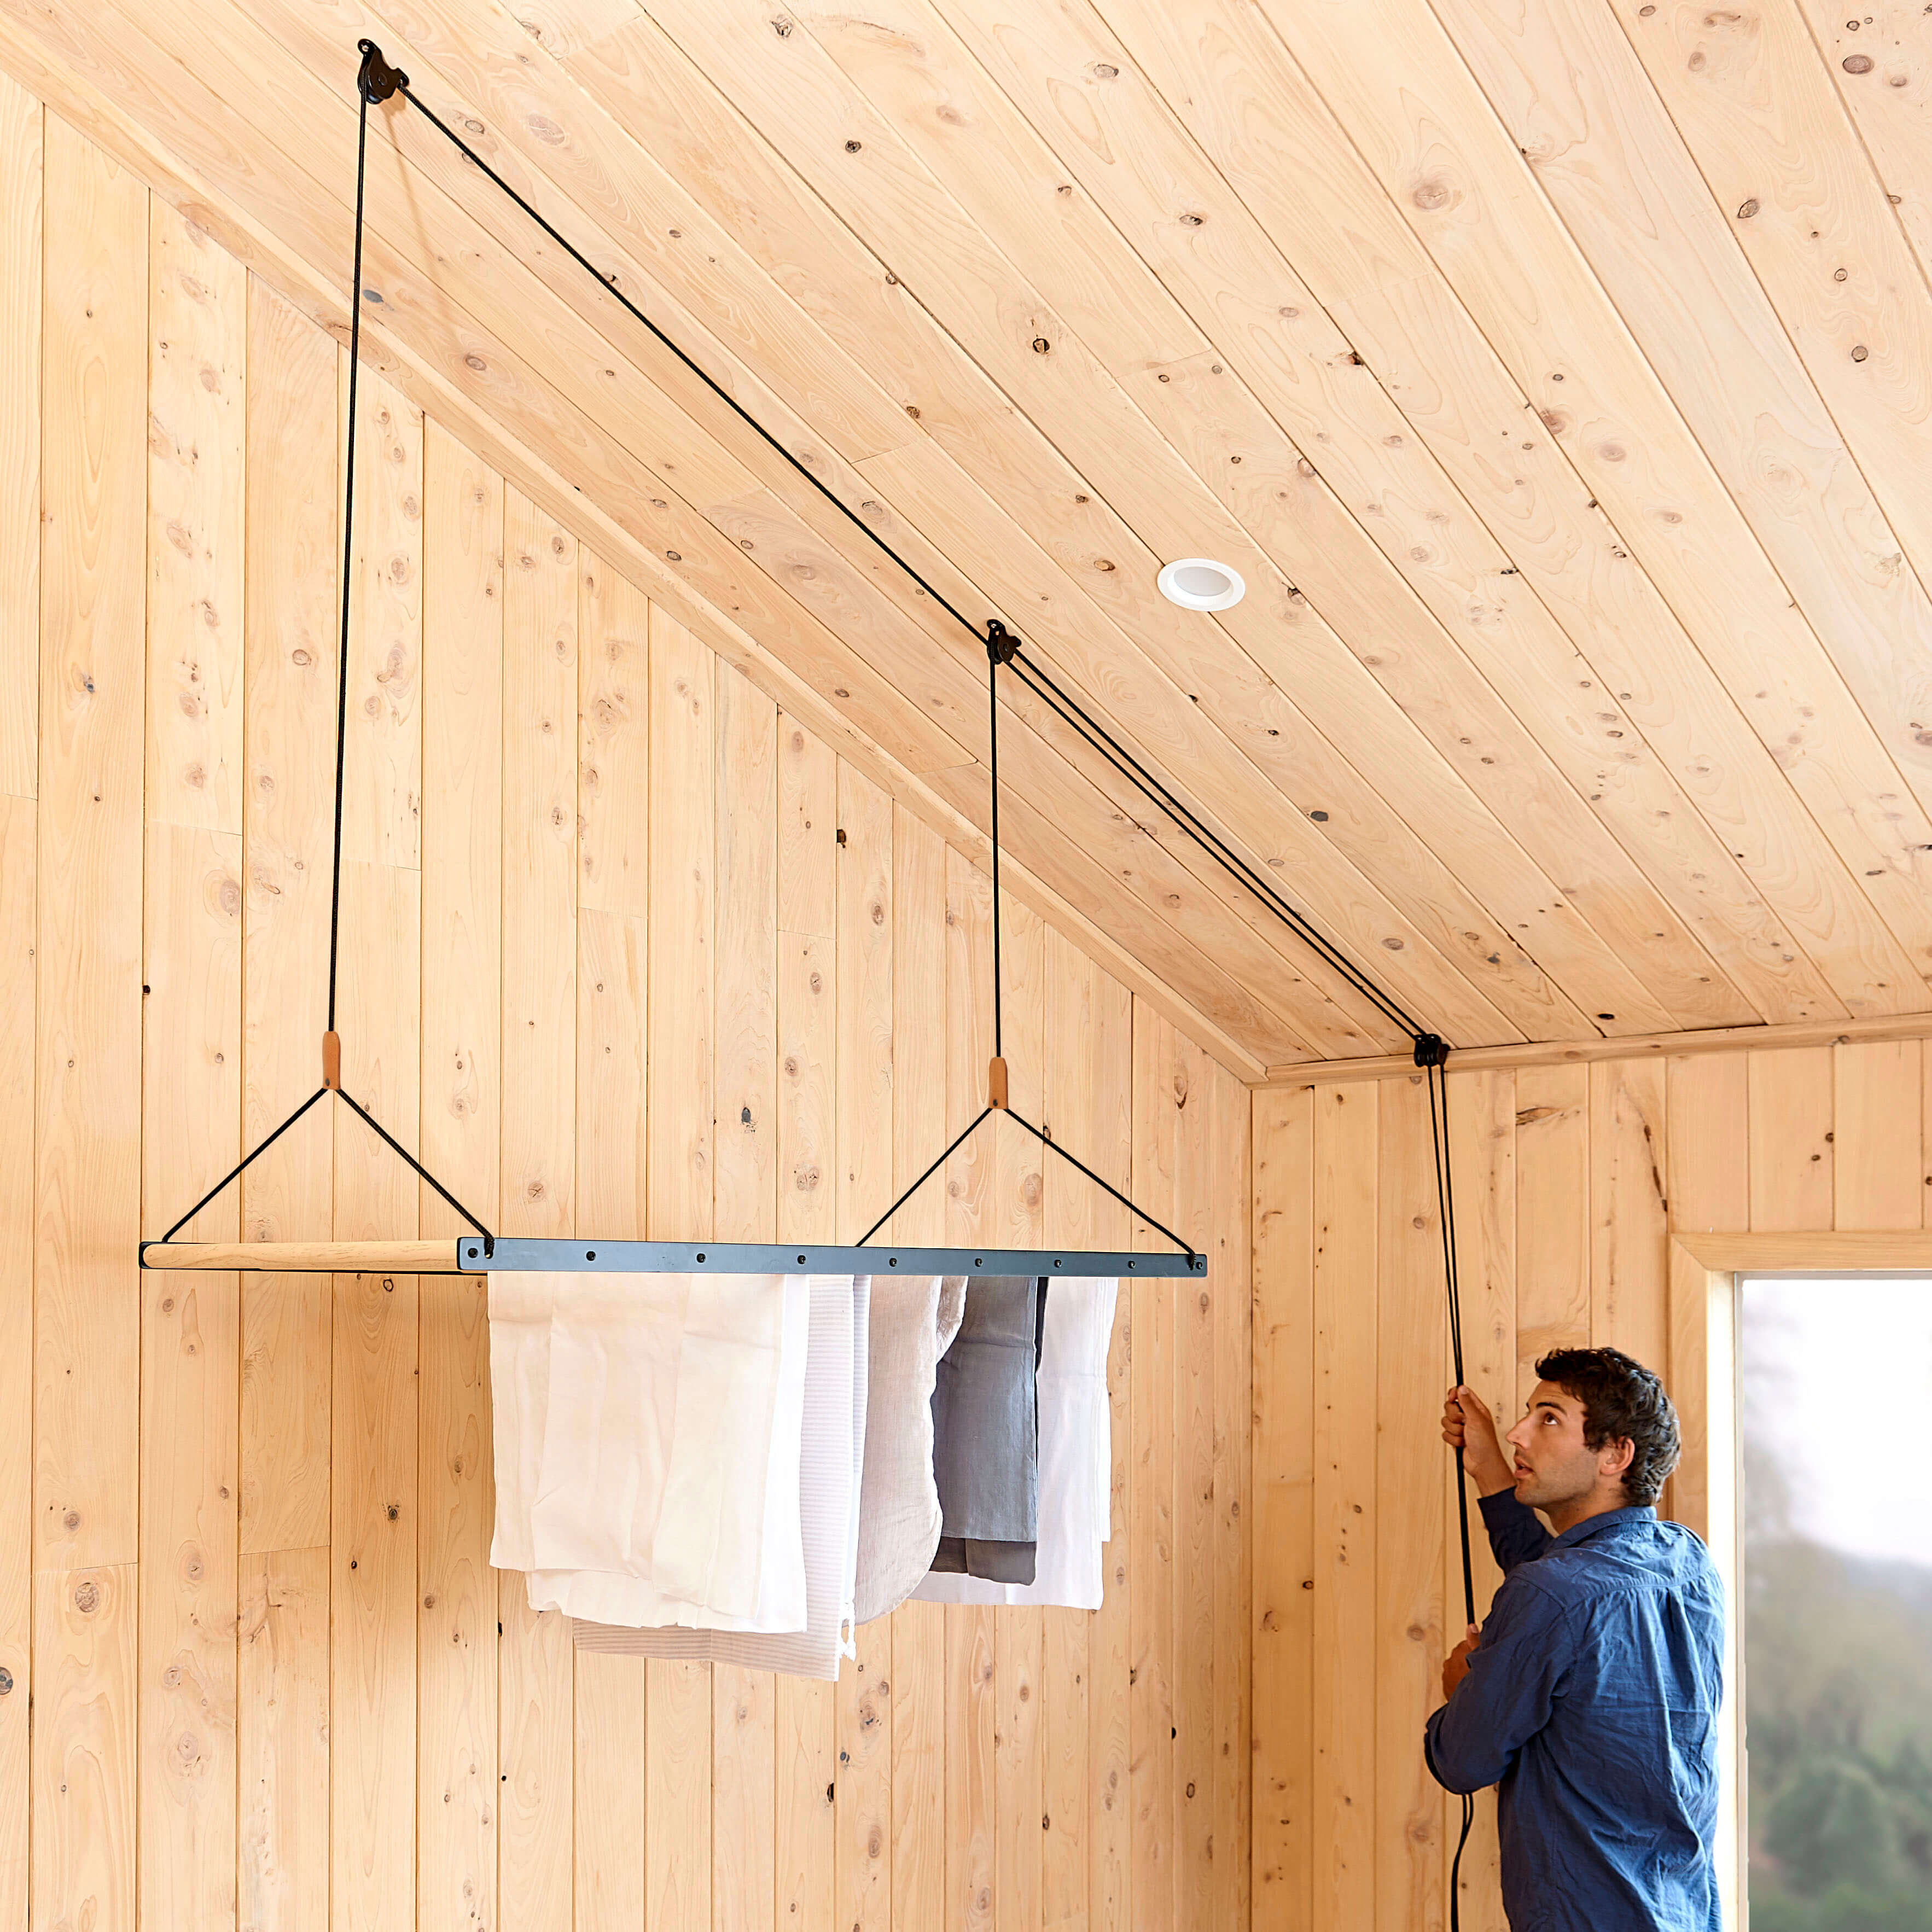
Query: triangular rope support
x=1046 y=1140
x=375 y=80
x=1002 y=647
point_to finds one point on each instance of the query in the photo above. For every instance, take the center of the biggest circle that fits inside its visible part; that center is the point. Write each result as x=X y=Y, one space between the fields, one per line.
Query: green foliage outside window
x=1838 y=1657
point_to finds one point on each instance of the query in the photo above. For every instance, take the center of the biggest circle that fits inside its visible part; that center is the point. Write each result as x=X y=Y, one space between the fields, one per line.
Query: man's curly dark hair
x=1622 y=1402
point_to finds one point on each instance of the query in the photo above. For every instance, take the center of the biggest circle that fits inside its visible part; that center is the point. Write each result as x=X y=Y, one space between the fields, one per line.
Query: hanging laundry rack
x=482 y=1252
x=377 y=81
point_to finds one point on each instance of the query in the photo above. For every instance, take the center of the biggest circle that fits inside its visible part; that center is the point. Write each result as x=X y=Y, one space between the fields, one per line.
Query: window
x=1836 y=1385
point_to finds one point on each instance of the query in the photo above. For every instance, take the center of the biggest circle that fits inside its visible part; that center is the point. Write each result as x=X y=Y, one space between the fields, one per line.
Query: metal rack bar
x=470 y=1254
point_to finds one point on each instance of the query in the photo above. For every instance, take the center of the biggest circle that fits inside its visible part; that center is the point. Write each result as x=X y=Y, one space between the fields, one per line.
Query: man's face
x=1553 y=1464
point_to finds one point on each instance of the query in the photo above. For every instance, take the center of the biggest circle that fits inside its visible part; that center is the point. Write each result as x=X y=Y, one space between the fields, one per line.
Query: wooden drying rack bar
x=307 y=1257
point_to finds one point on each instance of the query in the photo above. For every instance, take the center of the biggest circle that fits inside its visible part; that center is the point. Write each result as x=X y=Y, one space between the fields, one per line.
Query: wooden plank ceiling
x=1559 y=377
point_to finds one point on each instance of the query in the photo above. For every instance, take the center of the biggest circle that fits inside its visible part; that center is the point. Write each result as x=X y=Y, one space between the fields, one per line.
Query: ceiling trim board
x=1578 y=1052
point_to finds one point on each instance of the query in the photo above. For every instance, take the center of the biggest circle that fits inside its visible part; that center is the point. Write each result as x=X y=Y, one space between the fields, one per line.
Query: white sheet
x=833 y=1450
x=646 y=1436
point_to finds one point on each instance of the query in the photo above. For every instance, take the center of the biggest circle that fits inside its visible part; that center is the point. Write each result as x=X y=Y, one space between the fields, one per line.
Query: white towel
x=519 y=1313
x=833 y=1455
x=646 y=1436
x=913 y=1322
x=1076 y=1457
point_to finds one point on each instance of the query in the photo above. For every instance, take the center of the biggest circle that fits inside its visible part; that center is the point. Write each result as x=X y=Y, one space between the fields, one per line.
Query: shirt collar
x=1593 y=1525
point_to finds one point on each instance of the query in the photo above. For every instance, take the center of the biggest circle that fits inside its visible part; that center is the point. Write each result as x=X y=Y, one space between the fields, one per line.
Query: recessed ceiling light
x=1200 y=583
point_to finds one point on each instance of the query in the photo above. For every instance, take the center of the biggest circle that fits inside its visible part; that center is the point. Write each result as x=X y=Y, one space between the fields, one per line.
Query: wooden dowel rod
x=437 y=1257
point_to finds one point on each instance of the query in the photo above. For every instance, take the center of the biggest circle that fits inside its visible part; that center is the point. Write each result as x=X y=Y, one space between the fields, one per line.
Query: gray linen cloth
x=985 y=1431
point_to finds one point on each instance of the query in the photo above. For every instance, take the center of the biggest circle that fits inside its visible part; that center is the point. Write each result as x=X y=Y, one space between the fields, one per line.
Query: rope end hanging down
x=1431 y=1055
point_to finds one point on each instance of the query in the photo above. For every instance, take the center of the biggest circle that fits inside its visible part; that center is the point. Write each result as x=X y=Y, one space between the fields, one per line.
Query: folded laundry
x=646 y=1434
x=741 y=1467
x=1076 y=1464
x=833 y=1457
x=914 y=1320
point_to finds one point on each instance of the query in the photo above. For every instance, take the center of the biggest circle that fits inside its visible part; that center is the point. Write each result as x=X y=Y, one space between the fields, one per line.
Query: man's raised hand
x=1468 y=1425
x=1456 y=1665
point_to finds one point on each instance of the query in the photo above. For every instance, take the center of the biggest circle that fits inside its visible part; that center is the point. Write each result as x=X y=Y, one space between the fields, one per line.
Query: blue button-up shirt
x=1591 y=1700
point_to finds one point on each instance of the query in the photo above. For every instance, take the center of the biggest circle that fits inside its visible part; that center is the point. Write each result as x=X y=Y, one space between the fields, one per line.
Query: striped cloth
x=914 y=1320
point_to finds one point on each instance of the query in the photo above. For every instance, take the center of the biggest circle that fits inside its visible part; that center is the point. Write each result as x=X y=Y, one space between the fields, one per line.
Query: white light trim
x=1200 y=583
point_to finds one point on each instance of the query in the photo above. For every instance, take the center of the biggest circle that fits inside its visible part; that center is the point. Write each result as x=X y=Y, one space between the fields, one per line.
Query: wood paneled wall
x=625 y=951
x=1568 y=1180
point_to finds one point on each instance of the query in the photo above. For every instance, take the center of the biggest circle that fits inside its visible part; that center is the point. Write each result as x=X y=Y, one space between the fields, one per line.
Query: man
x=1591 y=1695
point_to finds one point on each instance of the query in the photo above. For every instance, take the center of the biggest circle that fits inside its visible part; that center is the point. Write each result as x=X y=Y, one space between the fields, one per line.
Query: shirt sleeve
x=1516 y=1673
x=1516 y=1536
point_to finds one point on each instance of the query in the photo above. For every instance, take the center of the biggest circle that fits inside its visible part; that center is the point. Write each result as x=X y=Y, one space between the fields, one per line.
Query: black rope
x=993 y=733
x=609 y=282
x=362 y=98
x=1445 y=1205
x=964 y=1134
x=1129 y=767
x=1071 y=713
x=248 y=1160
x=1431 y=1054
x=1046 y=1140
x=235 y=1173
x=375 y=80
x=416 y=1166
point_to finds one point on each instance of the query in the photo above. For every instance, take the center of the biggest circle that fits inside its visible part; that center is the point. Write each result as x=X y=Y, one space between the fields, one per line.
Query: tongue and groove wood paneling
x=87 y=1319
x=374 y=1419
x=16 y=1336
x=919 y=1793
x=1597 y=695
x=1577 y=686
x=292 y=531
x=458 y=1808
x=191 y=1066
x=627 y=946
x=20 y=215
